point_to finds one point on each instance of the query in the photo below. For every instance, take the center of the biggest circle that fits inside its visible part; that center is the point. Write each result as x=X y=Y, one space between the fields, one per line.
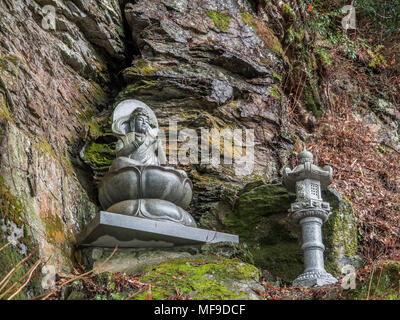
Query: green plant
x=377 y=59
x=221 y=20
x=384 y=14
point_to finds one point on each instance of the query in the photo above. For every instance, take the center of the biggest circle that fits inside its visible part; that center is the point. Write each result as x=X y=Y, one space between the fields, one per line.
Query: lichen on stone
x=340 y=234
x=312 y=98
x=141 y=68
x=99 y=155
x=11 y=207
x=54 y=227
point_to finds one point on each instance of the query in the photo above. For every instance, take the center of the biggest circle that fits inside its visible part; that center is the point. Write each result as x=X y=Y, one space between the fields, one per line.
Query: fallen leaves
x=367 y=172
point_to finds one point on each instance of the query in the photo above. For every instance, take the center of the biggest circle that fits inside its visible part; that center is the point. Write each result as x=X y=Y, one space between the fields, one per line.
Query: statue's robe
x=142 y=149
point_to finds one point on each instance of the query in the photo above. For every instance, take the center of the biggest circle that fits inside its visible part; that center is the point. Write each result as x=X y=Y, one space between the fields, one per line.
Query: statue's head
x=139 y=121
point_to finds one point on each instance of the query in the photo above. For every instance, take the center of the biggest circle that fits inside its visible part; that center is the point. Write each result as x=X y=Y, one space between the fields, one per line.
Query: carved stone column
x=310 y=211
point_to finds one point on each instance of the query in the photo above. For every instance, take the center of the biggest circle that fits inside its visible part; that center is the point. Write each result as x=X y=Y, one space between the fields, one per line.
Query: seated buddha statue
x=140 y=145
x=138 y=182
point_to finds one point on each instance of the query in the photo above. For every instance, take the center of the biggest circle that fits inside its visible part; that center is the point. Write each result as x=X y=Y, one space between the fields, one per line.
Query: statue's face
x=140 y=124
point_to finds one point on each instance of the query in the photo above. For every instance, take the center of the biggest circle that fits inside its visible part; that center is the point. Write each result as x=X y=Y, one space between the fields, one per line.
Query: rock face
x=200 y=64
x=261 y=220
x=194 y=272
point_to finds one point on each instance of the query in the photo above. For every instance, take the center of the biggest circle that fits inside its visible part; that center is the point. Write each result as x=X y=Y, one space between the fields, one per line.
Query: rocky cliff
x=270 y=66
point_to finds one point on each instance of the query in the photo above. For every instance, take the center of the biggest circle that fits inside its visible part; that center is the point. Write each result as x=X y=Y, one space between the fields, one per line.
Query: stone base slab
x=111 y=229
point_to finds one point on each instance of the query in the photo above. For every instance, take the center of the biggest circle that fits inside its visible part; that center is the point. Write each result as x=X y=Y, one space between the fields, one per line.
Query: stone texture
x=204 y=65
x=116 y=230
x=52 y=81
x=276 y=243
x=193 y=272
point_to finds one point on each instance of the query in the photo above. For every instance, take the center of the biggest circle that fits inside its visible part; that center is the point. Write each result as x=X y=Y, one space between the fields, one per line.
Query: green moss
x=300 y=34
x=275 y=92
x=276 y=46
x=284 y=259
x=9 y=258
x=100 y=127
x=339 y=232
x=260 y=219
x=11 y=210
x=289 y=35
x=312 y=99
x=325 y=56
x=221 y=20
x=277 y=76
x=54 y=228
x=141 y=68
x=259 y=202
x=99 y=154
x=11 y=207
x=206 y=277
x=47 y=149
x=132 y=90
x=249 y=20
x=384 y=286
x=4 y=112
x=288 y=12
x=98 y=93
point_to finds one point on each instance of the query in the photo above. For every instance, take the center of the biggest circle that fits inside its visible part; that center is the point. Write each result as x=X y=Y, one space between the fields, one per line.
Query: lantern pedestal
x=313 y=248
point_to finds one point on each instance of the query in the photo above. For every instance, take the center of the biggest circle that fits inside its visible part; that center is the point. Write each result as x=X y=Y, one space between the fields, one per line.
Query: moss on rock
x=12 y=219
x=312 y=99
x=99 y=154
x=133 y=89
x=9 y=258
x=142 y=68
x=249 y=20
x=340 y=233
x=257 y=203
x=10 y=206
x=221 y=20
x=260 y=218
x=4 y=112
x=54 y=227
x=383 y=286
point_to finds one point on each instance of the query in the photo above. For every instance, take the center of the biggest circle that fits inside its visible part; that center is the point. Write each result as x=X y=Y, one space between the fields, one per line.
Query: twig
x=385 y=145
x=135 y=294
x=379 y=280
x=370 y=282
x=7 y=278
x=148 y=295
x=5 y=246
x=16 y=283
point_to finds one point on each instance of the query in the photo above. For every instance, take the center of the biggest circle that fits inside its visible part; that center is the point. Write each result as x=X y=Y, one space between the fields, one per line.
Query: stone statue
x=143 y=200
x=137 y=184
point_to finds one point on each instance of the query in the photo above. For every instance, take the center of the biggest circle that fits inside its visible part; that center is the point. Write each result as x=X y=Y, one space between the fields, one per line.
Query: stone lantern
x=307 y=180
